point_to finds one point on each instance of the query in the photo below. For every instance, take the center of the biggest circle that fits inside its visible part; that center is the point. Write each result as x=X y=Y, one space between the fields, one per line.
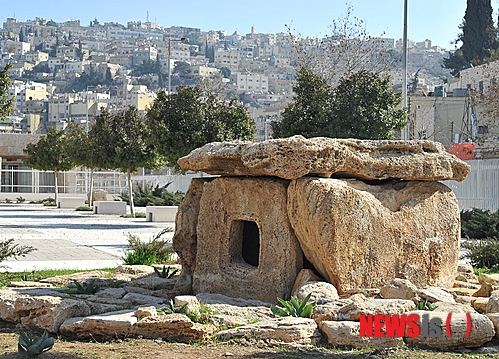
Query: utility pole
x=405 y=130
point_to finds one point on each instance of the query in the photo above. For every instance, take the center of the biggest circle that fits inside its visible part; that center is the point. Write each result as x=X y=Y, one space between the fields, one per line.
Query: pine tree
x=478 y=31
x=478 y=38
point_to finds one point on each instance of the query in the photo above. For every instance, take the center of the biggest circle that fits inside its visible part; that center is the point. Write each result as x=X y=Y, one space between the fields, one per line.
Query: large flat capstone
x=295 y=157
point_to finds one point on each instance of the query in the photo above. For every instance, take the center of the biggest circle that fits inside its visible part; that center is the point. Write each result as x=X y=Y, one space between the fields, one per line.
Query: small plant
x=8 y=250
x=49 y=204
x=171 y=309
x=134 y=215
x=86 y=288
x=31 y=346
x=425 y=305
x=84 y=208
x=8 y=200
x=20 y=199
x=165 y=273
x=146 y=253
x=294 y=308
x=482 y=253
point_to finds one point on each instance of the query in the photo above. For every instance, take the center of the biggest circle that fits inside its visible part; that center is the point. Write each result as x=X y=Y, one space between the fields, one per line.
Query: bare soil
x=147 y=348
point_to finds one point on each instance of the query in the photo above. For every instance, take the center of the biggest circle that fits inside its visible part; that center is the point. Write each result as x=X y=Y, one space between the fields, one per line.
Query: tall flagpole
x=405 y=130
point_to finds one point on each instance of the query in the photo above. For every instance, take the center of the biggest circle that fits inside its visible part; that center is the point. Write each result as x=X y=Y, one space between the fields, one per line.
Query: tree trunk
x=90 y=195
x=56 y=190
x=130 y=192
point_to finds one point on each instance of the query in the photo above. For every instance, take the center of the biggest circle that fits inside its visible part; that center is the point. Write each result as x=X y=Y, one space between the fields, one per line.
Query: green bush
x=479 y=224
x=159 y=196
x=84 y=208
x=146 y=253
x=482 y=253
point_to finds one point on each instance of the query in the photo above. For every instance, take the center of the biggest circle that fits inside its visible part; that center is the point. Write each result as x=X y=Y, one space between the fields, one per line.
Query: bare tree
x=347 y=50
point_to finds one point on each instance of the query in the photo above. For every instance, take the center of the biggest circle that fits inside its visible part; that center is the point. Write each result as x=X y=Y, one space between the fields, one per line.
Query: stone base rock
x=348 y=333
x=359 y=235
x=286 y=329
x=482 y=331
x=245 y=244
x=110 y=325
x=177 y=327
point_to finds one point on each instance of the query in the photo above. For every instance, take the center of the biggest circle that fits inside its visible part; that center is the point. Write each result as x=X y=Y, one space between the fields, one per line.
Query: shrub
x=146 y=253
x=135 y=215
x=294 y=308
x=479 y=224
x=8 y=250
x=20 y=199
x=86 y=288
x=171 y=309
x=159 y=196
x=482 y=253
x=84 y=208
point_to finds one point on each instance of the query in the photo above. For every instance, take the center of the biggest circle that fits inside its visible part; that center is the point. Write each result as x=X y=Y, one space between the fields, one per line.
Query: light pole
x=405 y=130
x=183 y=40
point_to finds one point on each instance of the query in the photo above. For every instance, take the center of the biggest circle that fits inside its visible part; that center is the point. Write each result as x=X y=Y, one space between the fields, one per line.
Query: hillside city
x=65 y=72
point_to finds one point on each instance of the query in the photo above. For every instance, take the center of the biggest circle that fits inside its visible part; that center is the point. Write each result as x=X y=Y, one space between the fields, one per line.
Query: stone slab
x=295 y=157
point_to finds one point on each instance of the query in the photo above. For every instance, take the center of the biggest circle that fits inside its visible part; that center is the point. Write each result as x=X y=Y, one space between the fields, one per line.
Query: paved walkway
x=66 y=238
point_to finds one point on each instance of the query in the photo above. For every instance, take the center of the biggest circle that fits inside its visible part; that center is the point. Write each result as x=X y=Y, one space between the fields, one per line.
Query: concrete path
x=65 y=238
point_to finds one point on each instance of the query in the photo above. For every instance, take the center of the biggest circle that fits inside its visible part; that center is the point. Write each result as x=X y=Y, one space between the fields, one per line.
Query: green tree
x=478 y=37
x=6 y=103
x=50 y=153
x=84 y=151
x=21 y=35
x=361 y=106
x=478 y=31
x=225 y=72
x=186 y=120
x=109 y=77
x=122 y=140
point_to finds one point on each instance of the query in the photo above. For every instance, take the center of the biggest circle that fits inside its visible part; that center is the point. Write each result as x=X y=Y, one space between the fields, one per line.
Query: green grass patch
x=84 y=208
x=38 y=275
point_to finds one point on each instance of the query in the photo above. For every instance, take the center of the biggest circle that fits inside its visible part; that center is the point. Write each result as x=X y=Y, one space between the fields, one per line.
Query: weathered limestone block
x=48 y=312
x=305 y=275
x=110 y=325
x=177 y=327
x=295 y=157
x=79 y=277
x=286 y=329
x=245 y=244
x=482 y=331
x=489 y=283
x=354 y=310
x=359 y=235
x=185 y=237
x=435 y=294
x=399 y=289
x=348 y=333
x=322 y=292
x=253 y=309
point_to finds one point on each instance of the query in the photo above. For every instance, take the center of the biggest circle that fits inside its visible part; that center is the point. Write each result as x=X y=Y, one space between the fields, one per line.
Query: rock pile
x=335 y=318
x=361 y=212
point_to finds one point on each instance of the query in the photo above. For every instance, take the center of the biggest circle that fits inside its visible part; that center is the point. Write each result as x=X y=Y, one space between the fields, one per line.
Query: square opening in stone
x=245 y=243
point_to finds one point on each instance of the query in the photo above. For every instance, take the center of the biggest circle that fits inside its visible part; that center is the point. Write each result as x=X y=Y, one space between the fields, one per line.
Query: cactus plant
x=31 y=346
x=165 y=273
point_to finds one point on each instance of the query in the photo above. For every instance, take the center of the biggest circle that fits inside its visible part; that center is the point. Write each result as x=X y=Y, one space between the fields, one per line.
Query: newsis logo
x=406 y=325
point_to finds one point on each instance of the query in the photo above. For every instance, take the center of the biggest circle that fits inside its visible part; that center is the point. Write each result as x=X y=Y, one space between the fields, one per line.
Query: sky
x=437 y=20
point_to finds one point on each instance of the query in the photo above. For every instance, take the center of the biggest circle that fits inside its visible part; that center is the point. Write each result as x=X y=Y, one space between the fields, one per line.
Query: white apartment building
x=251 y=82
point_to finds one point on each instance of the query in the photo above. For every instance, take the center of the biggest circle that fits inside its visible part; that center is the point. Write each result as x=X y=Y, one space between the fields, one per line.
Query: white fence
x=34 y=185
x=480 y=189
